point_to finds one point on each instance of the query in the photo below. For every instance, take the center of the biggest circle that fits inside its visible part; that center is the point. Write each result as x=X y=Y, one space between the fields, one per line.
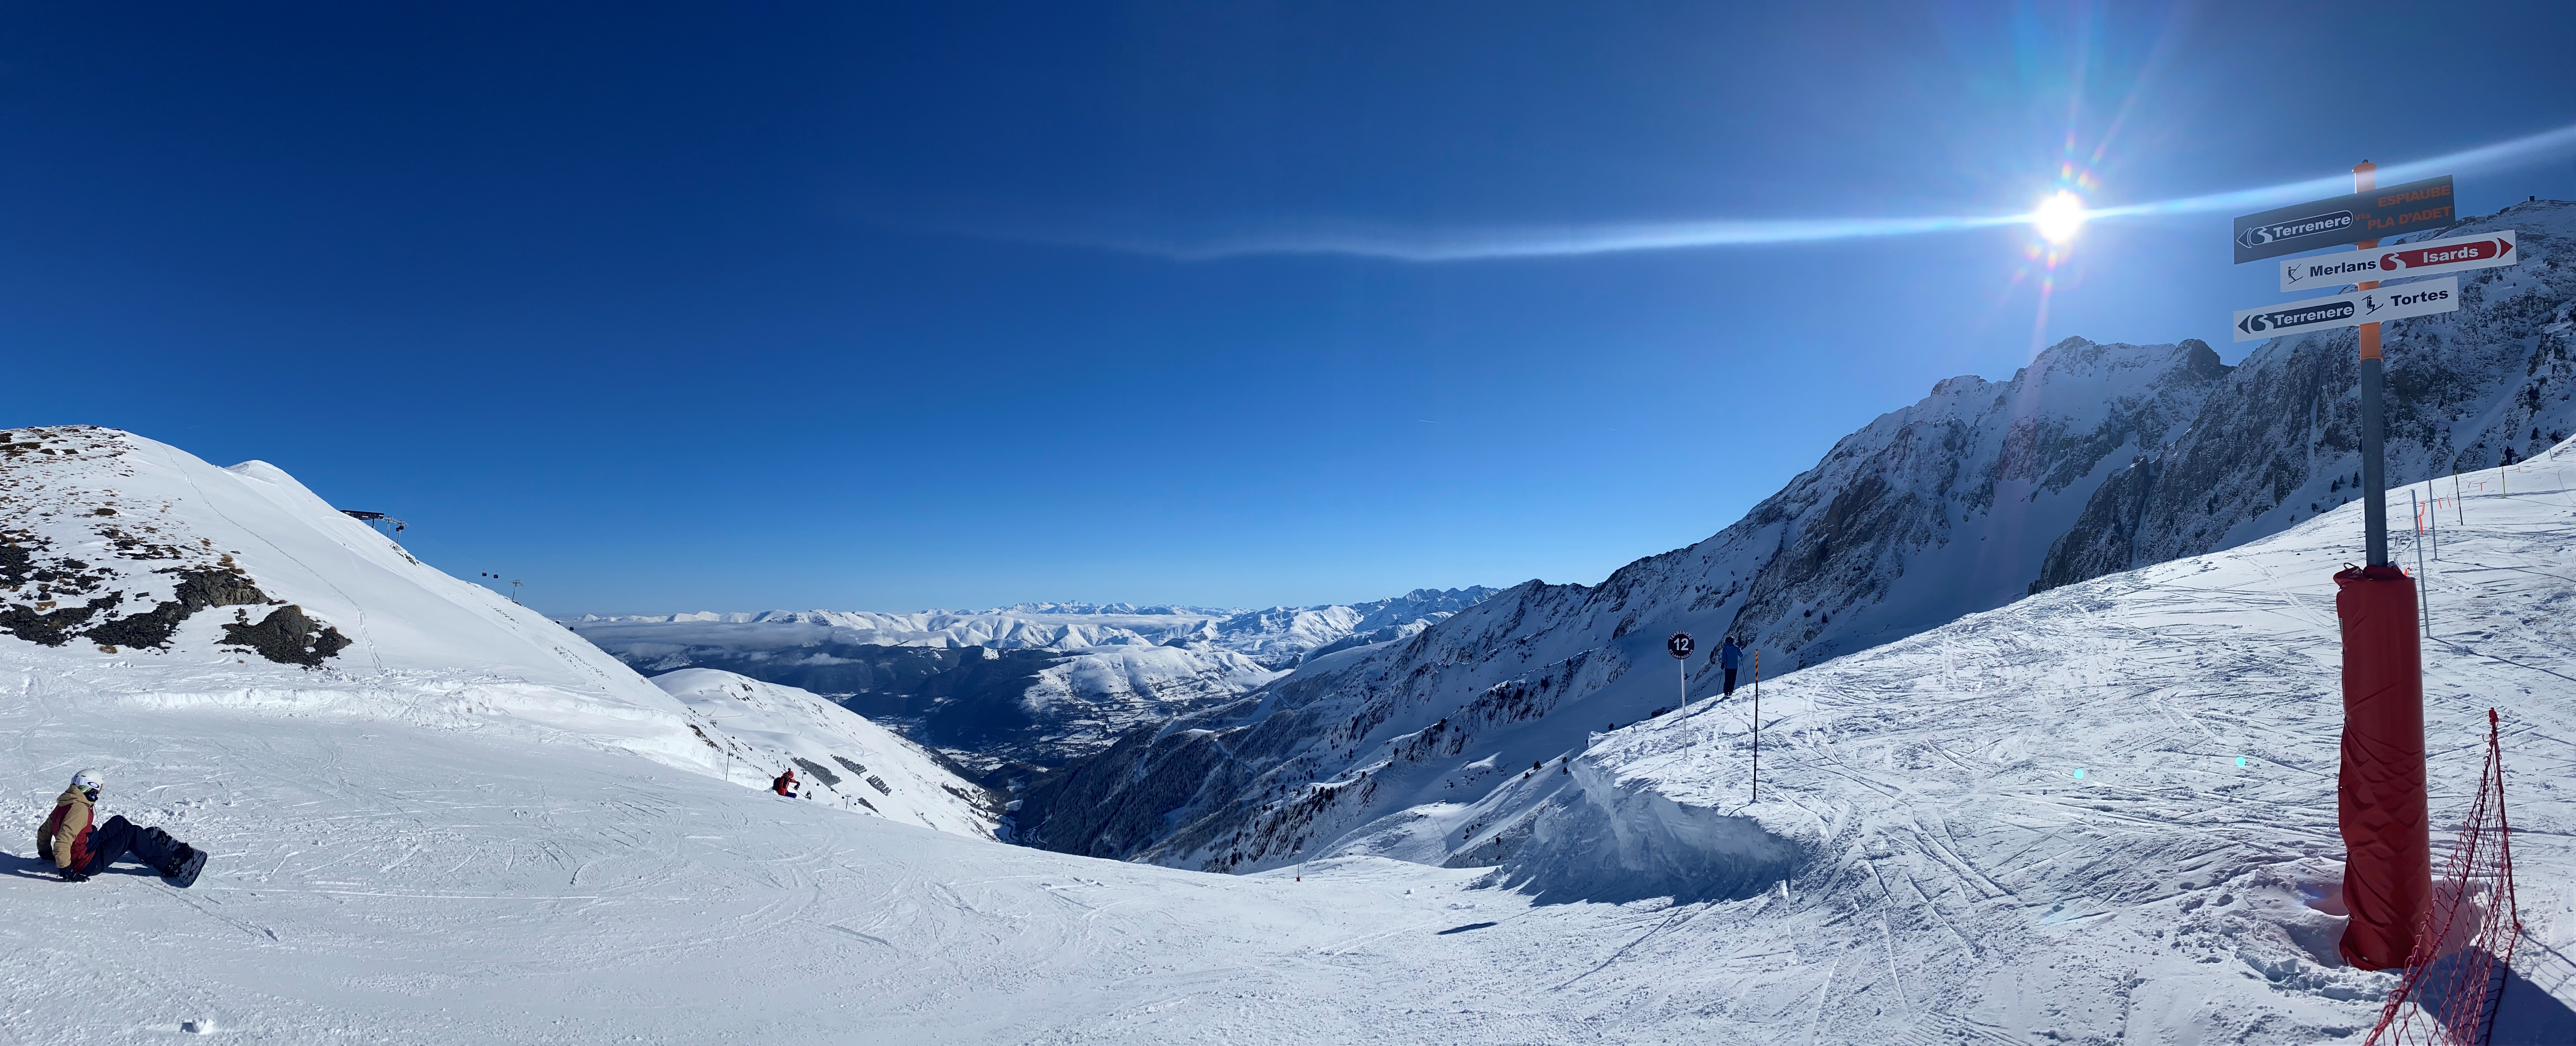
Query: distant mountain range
x=1021 y=689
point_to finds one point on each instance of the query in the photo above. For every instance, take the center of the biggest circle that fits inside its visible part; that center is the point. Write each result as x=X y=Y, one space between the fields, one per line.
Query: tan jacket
x=66 y=834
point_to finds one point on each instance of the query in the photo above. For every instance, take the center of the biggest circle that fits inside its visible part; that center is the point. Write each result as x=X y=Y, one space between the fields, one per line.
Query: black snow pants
x=1730 y=682
x=118 y=837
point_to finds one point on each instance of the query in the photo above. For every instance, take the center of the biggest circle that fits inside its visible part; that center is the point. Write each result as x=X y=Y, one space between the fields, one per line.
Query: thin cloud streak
x=1556 y=242
x=1579 y=240
x=2500 y=156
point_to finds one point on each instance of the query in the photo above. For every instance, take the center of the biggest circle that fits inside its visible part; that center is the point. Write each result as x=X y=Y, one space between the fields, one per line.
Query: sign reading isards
x=2349 y=310
x=2430 y=258
x=2338 y=220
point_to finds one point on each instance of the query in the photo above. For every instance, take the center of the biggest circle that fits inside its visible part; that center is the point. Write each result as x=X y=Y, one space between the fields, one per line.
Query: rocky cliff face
x=1948 y=507
x=1940 y=509
x=2280 y=439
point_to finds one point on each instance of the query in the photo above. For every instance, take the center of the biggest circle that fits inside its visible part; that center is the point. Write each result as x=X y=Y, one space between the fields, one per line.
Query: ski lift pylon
x=373 y=518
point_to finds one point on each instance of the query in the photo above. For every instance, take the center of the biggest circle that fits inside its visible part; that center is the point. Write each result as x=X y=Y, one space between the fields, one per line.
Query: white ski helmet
x=88 y=780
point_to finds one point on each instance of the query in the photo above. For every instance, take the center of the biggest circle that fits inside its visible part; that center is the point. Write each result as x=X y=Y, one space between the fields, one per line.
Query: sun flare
x=2059 y=217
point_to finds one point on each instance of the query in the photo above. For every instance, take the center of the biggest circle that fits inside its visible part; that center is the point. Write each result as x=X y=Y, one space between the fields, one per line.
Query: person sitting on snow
x=78 y=851
x=785 y=784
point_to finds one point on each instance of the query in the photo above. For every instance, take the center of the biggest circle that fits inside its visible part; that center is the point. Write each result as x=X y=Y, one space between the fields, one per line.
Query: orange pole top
x=2365 y=177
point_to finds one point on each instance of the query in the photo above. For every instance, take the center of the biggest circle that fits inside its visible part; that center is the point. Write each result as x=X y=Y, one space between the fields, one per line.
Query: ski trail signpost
x=2430 y=258
x=2365 y=214
x=2349 y=310
x=2380 y=801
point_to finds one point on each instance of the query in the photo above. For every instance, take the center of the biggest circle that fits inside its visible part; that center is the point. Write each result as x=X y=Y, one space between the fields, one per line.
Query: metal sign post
x=1680 y=647
x=2374 y=466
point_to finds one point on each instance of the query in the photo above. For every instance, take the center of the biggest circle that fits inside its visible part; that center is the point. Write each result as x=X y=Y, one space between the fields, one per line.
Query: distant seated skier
x=1729 y=657
x=785 y=784
x=79 y=851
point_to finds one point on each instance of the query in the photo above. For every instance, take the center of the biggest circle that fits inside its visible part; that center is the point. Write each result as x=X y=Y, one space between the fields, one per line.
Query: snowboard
x=186 y=875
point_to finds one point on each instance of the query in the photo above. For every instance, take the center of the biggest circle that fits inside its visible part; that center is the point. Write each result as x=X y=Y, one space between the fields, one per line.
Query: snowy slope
x=110 y=526
x=1947 y=878
x=842 y=759
x=135 y=573
x=2131 y=781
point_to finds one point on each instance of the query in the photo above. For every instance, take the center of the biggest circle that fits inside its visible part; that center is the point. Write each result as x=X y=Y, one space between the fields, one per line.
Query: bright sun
x=2059 y=217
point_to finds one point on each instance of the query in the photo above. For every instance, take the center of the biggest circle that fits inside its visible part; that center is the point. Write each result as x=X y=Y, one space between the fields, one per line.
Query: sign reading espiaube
x=2338 y=220
x=2485 y=250
x=2349 y=310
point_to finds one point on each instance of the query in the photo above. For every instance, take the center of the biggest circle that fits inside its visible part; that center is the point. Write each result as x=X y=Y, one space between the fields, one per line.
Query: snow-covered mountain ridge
x=135 y=573
x=1277 y=636
x=1963 y=502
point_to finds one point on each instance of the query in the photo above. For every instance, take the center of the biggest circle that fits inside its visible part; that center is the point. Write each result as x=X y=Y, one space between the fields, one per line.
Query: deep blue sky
x=763 y=305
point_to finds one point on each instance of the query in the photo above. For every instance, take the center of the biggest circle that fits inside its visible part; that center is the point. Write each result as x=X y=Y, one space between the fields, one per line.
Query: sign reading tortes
x=2338 y=220
x=2349 y=310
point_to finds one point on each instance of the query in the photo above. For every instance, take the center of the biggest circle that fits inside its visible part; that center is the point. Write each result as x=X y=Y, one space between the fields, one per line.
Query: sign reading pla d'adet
x=2338 y=220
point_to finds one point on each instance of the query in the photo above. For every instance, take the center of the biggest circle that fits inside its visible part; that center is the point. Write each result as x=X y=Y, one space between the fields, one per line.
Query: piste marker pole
x=1757 y=726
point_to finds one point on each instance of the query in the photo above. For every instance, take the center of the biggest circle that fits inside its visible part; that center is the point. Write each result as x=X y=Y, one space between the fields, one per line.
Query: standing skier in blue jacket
x=1729 y=656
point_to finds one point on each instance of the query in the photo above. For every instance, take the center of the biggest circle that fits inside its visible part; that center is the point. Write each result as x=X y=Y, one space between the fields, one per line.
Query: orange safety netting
x=2455 y=978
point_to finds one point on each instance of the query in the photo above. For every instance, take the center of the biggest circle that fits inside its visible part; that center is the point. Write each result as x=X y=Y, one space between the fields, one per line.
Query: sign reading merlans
x=2338 y=220
x=2432 y=258
x=2349 y=310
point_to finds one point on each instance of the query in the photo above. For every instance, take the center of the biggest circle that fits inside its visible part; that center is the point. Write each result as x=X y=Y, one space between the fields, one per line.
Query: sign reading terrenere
x=2349 y=310
x=2338 y=220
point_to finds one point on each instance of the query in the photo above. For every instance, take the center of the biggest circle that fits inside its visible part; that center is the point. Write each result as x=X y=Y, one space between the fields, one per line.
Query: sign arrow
x=2349 y=310
x=2433 y=257
x=2338 y=220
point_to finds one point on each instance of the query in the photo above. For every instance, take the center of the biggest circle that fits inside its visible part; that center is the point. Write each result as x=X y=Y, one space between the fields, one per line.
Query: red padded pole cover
x=2379 y=799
